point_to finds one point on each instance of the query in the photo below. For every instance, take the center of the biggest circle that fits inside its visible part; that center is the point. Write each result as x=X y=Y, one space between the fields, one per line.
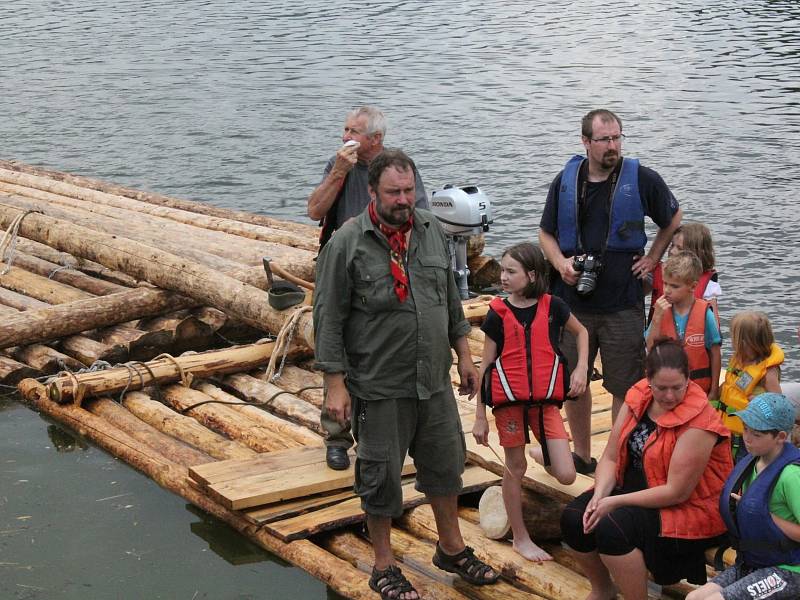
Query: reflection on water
x=64 y=440
x=241 y=103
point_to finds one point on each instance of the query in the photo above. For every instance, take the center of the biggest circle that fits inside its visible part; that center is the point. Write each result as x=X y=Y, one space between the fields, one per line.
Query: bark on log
x=12 y=372
x=64 y=259
x=161 y=200
x=66 y=275
x=284 y=405
x=187 y=332
x=224 y=420
x=17 y=183
x=336 y=573
x=89 y=351
x=40 y=288
x=45 y=359
x=19 y=301
x=184 y=428
x=281 y=427
x=294 y=378
x=161 y=371
x=475 y=245
x=548 y=579
x=141 y=345
x=165 y=270
x=484 y=271
x=121 y=418
x=53 y=322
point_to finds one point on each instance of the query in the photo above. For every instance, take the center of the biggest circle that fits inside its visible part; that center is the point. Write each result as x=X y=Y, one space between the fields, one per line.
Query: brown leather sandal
x=466 y=565
x=390 y=583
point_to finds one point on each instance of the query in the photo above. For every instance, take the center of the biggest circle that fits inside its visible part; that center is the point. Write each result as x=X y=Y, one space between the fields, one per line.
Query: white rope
x=283 y=342
x=8 y=245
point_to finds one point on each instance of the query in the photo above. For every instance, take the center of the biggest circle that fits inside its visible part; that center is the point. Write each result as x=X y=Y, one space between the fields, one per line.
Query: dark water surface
x=240 y=103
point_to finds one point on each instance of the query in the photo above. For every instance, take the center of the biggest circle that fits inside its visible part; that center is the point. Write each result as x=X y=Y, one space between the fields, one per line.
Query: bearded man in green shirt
x=386 y=315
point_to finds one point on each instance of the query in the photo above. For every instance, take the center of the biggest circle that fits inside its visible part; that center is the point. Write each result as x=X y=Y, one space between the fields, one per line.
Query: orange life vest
x=528 y=369
x=658 y=287
x=694 y=341
x=697 y=517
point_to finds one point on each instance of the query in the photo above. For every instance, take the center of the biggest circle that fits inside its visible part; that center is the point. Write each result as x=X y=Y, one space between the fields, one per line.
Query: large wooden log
x=17 y=183
x=89 y=351
x=165 y=270
x=40 y=288
x=547 y=579
x=141 y=345
x=338 y=574
x=53 y=322
x=66 y=275
x=541 y=514
x=224 y=420
x=184 y=428
x=281 y=427
x=18 y=301
x=12 y=372
x=123 y=419
x=293 y=379
x=45 y=359
x=484 y=271
x=161 y=371
x=279 y=403
x=161 y=200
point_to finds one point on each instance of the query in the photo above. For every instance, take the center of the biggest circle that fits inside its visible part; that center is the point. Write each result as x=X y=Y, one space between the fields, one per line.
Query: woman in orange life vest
x=655 y=501
x=694 y=237
x=679 y=315
x=524 y=380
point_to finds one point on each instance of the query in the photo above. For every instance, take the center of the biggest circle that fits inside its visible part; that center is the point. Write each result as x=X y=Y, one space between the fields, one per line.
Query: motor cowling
x=462 y=210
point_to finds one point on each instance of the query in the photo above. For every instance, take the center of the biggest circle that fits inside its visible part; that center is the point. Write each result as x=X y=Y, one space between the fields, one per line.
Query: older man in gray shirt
x=341 y=195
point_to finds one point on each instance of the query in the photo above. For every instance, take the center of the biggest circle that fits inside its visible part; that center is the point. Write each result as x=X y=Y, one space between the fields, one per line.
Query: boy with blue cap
x=761 y=507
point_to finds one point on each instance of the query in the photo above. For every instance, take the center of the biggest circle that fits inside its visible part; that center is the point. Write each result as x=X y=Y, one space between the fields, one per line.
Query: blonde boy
x=680 y=315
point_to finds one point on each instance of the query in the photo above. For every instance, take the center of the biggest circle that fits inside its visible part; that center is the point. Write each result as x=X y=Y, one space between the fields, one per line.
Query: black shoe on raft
x=337 y=458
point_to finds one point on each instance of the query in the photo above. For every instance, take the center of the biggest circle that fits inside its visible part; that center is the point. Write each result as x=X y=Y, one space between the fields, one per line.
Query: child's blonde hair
x=697 y=239
x=751 y=336
x=684 y=266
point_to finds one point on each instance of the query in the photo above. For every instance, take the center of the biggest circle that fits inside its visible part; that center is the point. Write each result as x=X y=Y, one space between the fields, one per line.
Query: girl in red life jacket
x=524 y=380
x=696 y=238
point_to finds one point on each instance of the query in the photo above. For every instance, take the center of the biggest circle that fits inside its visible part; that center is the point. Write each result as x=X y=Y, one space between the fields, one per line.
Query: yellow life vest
x=738 y=387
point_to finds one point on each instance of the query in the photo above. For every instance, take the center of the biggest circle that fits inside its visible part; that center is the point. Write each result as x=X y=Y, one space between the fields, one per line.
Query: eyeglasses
x=675 y=389
x=609 y=138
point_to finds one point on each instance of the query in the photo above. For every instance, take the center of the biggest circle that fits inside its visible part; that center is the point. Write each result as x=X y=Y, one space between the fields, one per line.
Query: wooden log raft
x=337 y=573
x=160 y=268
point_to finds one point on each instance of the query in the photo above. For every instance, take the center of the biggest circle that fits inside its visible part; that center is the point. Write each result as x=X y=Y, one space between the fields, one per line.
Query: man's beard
x=610 y=159
x=396 y=217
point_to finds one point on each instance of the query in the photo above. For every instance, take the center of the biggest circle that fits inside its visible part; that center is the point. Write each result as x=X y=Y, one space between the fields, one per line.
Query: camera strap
x=583 y=178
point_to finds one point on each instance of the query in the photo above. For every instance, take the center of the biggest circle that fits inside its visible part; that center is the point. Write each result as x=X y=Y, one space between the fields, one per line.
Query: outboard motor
x=462 y=212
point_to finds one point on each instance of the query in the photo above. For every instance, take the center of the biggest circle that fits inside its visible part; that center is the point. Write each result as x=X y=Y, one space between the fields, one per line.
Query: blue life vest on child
x=754 y=535
x=626 y=227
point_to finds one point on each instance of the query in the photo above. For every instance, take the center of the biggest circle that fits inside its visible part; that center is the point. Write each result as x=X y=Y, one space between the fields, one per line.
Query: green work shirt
x=387 y=348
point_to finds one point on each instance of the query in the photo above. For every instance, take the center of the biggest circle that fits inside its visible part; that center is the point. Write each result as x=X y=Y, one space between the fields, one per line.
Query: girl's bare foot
x=535 y=452
x=531 y=551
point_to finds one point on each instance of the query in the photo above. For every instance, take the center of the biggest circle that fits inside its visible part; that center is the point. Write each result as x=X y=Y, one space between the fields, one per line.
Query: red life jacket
x=694 y=342
x=528 y=369
x=658 y=287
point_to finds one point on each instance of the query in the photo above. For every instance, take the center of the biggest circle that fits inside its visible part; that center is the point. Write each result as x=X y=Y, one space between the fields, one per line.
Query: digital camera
x=589 y=266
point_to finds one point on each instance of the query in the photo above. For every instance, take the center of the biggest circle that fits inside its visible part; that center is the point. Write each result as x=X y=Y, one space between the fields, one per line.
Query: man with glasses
x=595 y=213
x=341 y=195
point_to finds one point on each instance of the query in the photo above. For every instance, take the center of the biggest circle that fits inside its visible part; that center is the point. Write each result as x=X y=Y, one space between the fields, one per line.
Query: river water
x=239 y=103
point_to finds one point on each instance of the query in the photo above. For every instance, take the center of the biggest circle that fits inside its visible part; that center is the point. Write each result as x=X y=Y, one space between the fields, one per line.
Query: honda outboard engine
x=462 y=212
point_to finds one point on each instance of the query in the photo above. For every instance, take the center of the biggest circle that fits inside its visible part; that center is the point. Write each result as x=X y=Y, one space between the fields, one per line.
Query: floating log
x=280 y=403
x=160 y=268
x=40 y=288
x=66 y=275
x=280 y=427
x=161 y=371
x=124 y=420
x=161 y=200
x=17 y=183
x=12 y=372
x=224 y=420
x=336 y=573
x=53 y=322
x=184 y=428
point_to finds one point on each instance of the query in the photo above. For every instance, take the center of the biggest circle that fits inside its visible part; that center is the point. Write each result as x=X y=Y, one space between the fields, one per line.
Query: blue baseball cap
x=768 y=411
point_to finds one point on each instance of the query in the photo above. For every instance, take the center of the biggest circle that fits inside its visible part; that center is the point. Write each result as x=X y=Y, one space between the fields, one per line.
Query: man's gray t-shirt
x=355 y=196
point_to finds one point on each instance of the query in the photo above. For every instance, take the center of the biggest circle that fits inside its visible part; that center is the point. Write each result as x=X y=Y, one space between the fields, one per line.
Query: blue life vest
x=753 y=533
x=626 y=229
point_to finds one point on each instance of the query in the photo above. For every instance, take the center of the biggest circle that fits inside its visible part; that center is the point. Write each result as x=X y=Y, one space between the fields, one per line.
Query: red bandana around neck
x=397 y=250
